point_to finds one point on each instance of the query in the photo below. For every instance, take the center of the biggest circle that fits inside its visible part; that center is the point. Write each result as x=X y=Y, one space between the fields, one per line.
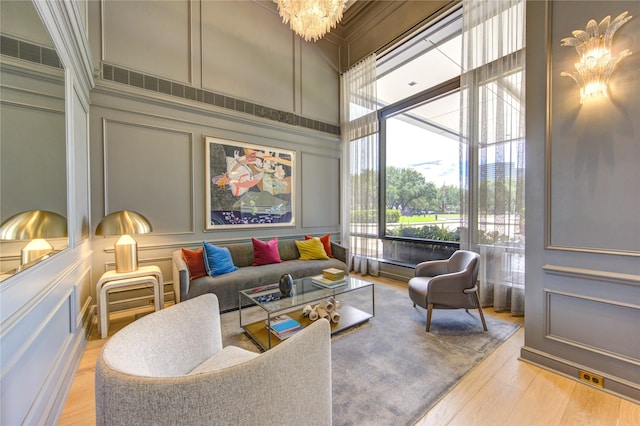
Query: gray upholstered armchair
x=447 y=284
x=169 y=368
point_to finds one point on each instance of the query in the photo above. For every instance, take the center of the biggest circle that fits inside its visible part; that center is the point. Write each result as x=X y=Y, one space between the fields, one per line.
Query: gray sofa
x=226 y=286
x=170 y=368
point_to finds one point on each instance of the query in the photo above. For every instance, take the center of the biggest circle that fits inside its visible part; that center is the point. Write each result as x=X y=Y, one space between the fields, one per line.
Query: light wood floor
x=502 y=390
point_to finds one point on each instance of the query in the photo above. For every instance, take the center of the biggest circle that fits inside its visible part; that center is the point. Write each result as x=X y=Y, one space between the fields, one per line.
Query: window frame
x=450 y=86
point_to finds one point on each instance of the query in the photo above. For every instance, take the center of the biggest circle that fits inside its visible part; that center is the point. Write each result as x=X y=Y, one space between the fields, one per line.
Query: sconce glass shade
x=311 y=19
x=596 y=64
x=124 y=223
x=34 y=225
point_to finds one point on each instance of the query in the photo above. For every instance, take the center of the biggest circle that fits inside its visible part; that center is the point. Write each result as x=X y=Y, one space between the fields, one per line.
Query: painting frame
x=248 y=185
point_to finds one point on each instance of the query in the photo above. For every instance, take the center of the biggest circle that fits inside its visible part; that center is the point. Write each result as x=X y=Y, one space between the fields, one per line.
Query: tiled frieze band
x=29 y=52
x=147 y=82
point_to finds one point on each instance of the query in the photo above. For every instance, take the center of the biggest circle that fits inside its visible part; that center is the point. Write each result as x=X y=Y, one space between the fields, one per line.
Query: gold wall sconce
x=597 y=63
x=124 y=223
x=34 y=226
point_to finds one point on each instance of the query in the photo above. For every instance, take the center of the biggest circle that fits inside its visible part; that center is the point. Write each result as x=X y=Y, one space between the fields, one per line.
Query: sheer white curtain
x=492 y=85
x=359 y=131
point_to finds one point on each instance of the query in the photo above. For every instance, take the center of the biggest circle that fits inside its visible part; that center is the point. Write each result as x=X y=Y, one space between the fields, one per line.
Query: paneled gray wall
x=225 y=79
x=583 y=231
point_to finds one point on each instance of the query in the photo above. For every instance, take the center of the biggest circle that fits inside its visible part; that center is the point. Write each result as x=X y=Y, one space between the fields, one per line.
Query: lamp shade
x=123 y=222
x=33 y=224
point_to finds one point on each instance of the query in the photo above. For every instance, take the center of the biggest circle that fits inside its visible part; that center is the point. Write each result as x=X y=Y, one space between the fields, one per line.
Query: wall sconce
x=124 y=223
x=596 y=62
x=34 y=225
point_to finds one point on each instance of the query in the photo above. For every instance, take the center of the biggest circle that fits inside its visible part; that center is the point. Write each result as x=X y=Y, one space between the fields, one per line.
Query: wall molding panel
x=586 y=153
x=173 y=59
x=591 y=274
x=324 y=169
x=133 y=156
x=570 y=320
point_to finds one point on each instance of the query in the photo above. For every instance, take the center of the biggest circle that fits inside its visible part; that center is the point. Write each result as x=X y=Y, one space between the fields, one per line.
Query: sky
x=436 y=157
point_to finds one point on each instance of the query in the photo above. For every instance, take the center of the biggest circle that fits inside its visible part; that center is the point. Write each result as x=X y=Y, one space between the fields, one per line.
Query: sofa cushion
x=195 y=263
x=265 y=253
x=228 y=356
x=311 y=249
x=217 y=260
x=326 y=242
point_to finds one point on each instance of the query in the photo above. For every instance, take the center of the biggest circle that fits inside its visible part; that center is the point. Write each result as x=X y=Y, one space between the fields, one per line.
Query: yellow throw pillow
x=311 y=249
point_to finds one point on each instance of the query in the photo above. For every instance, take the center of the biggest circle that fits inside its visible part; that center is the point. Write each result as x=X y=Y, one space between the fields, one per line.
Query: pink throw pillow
x=195 y=263
x=265 y=253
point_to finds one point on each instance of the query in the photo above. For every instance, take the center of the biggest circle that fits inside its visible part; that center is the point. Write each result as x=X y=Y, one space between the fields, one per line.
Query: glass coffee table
x=356 y=295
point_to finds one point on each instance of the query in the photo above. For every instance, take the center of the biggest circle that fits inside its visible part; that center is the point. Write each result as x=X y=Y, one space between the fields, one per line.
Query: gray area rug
x=389 y=371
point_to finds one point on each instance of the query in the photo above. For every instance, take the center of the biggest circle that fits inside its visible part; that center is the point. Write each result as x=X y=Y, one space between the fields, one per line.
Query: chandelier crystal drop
x=597 y=63
x=311 y=19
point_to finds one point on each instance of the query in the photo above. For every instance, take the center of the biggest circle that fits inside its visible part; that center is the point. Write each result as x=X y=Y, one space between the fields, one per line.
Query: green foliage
x=393 y=216
x=426 y=232
x=404 y=186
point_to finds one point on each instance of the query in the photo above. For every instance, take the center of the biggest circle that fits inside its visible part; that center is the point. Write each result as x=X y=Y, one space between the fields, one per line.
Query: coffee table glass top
x=304 y=291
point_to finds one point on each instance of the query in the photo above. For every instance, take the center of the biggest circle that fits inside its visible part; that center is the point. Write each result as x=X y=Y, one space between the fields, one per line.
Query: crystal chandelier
x=596 y=65
x=311 y=19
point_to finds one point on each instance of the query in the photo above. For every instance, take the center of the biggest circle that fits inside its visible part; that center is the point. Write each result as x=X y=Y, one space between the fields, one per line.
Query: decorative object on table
x=283 y=326
x=286 y=284
x=325 y=309
x=124 y=223
x=333 y=274
x=597 y=62
x=34 y=225
x=248 y=186
x=323 y=282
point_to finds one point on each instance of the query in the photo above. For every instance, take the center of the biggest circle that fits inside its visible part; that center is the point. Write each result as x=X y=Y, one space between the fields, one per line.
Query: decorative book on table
x=283 y=326
x=323 y=282
x=333 y=274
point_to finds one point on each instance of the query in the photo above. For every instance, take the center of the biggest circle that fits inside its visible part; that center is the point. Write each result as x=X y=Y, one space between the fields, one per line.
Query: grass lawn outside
x=430 y=218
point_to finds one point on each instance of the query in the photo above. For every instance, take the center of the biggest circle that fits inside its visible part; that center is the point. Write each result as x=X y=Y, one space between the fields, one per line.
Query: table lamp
x=34 y=225
x=124 y=223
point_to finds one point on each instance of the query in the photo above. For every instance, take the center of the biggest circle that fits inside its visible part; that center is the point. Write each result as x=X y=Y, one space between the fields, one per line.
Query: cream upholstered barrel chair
x=170 y=368
x=447 y=284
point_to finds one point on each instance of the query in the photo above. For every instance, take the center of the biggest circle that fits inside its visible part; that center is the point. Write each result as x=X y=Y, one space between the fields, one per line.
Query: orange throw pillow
x=195 y=263
x=325 y=242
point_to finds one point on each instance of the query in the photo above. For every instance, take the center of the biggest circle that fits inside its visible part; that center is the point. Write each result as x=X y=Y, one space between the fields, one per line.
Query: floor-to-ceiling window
x=421 y=150
x=451 y=144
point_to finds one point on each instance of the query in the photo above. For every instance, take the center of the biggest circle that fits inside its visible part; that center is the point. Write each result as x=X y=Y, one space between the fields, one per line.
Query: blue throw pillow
x=217 y=260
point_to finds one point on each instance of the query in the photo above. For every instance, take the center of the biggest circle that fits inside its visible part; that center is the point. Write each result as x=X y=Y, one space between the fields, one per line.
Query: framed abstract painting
x=248 y=185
